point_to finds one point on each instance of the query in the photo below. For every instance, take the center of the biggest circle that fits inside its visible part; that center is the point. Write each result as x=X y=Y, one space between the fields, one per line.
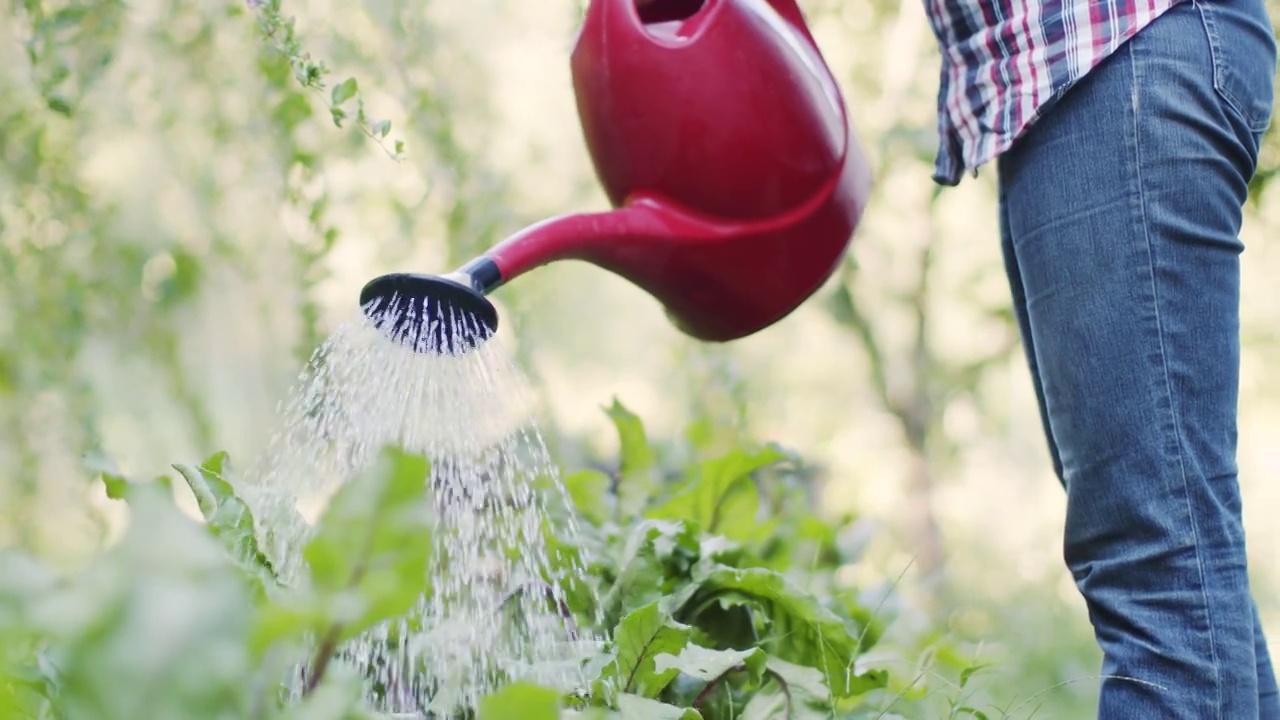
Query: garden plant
x=715 y=579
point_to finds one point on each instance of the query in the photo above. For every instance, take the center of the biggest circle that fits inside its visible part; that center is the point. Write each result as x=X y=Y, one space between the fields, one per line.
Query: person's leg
x=1122 y=209
x=1023 y=319
x=1268 y=694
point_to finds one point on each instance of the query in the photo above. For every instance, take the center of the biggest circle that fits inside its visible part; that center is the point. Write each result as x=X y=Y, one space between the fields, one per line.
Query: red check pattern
x=1005 y=62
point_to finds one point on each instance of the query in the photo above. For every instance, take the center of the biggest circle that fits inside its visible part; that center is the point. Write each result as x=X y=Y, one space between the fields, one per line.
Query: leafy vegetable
x=711 y=665
x=703 y=620
x=521 y=700
x=799 y=628
x=642 y=636
x=720 y=496
x=228 y=518
x=792 y=691
x=636 y=480
x=158 y=626
x=634 y=707
x=371 y=551
x=589 y=490
x=367 y=561
x=690 y=582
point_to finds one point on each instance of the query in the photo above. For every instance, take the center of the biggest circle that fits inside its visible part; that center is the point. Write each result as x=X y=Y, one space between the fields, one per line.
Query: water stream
x=489 y=616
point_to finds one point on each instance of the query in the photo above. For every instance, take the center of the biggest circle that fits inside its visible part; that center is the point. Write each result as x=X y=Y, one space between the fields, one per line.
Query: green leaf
x=800 y=629
x=229 y=518
x=799 y=678
x=970 y=671
x=106 y=469
x=589 y=490
x=720 y=494
x=369 y=555
x=521 y=700
x=728 y=621
x=635 y=707
x=637 y=461
x=68 y=17
x=158 y=625
x=200 y=481
x=289 y=622
x=793 y=692
x=707 y=665
x=640 y=638
x=656 y=561
x=591 y=713
x=344 y=91
x=772 y=703
x=59 y=104
x=117 y=485
x=292 y=110
x=381 y=128
x=718 y=548
x=338 y=697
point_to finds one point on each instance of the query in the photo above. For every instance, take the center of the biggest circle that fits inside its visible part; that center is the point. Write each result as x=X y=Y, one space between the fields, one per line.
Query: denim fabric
x=1120 y=215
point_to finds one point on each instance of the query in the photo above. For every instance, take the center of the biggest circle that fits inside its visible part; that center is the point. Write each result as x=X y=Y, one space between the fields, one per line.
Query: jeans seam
x=1180 y=452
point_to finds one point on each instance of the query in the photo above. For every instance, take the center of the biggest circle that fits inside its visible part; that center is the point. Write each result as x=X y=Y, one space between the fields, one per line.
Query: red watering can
x=725 y=149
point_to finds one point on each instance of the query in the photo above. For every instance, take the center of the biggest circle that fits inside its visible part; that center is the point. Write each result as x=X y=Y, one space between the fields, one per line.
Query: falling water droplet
x=494 y=611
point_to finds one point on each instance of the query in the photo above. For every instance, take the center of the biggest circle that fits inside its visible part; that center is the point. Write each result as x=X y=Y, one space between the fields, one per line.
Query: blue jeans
x=1120 y=215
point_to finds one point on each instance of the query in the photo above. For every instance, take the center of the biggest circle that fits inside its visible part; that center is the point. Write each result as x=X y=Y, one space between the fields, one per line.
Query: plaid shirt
x=1004 y=62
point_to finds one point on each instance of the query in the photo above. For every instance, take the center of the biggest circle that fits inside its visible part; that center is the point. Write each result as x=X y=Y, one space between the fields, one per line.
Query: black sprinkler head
x=431 y=313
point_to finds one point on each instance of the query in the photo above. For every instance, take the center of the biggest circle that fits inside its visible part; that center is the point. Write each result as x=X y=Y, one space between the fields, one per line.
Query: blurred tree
x=151 y=156
x=48 y=223
x=914 y=374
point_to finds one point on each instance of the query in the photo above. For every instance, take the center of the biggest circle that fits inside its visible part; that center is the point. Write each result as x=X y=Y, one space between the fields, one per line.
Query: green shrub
x=715 y=583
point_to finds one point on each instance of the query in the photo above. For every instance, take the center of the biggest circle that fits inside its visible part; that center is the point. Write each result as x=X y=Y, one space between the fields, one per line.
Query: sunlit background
x=181 y=223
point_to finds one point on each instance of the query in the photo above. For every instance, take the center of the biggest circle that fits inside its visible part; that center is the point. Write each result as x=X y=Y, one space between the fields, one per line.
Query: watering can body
x=723 y=143
x=725 y=150
x=730 y=112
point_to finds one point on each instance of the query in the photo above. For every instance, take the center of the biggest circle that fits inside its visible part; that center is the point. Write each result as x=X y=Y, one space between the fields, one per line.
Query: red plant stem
x=324 y=652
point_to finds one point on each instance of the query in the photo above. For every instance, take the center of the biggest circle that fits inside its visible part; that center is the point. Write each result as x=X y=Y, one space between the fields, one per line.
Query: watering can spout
x=723 y=145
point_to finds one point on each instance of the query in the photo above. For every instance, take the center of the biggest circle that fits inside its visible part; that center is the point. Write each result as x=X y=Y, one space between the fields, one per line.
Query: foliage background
x=181 y=222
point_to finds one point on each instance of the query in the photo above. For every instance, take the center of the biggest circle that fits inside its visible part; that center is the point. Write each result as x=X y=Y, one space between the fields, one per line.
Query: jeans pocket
x=1244 y=67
